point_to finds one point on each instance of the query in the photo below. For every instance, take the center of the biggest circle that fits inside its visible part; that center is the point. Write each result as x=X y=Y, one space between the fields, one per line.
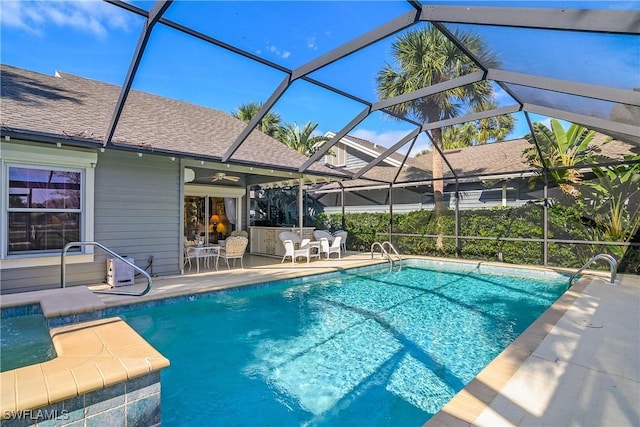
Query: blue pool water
x=24 y=339
x=371 y=347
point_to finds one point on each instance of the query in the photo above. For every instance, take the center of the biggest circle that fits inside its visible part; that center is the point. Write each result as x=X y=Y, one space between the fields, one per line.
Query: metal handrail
x=393 y=248
x=384 y=253
x=110 y=252
x=612 y=263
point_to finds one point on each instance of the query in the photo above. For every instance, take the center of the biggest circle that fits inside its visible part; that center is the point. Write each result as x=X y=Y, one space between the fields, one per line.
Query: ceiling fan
x=219 y=176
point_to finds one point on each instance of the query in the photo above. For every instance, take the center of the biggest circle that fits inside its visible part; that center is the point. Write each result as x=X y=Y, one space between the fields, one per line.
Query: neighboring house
x=160 y=179
x=488 y=175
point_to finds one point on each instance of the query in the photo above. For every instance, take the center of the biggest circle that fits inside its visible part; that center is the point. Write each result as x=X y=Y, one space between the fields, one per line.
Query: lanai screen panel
x=601 y=59
x=202 y=73
x=292 y=23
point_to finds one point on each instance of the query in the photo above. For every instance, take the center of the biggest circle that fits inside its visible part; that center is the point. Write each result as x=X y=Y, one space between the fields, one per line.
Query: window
x=46 y=202
x=44 y=209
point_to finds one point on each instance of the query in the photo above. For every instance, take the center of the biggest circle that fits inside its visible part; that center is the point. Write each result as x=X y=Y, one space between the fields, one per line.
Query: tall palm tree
x=301 y=139
x=478 y=132
x=561 y=149
x=425 y=57
x=270 y=123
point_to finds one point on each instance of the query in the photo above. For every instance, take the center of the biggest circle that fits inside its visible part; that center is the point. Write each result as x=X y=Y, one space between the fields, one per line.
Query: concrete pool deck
x=578 y=365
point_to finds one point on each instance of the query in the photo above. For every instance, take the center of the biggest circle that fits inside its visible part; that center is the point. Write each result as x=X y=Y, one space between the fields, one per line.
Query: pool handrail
x=612 y=263
x=110 y=252
x=385 y=254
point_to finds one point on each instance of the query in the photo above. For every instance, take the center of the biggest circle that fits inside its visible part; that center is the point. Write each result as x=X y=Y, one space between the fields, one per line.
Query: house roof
x=369 y=148
x=75 y=109
x=494 y=159
x=505 y=157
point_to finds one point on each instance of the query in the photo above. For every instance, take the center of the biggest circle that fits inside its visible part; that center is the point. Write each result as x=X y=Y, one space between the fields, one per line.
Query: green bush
x=564 y=222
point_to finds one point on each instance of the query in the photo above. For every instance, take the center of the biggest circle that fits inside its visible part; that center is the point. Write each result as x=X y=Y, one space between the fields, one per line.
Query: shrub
x=564 y=222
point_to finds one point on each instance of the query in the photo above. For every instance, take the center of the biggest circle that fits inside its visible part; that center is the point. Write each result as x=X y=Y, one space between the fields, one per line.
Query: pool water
x=373 y=348
x=24 y=340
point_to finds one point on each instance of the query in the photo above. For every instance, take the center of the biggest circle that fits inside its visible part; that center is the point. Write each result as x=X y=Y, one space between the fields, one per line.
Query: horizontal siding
x=138 y=209
x=356 y=159
x=472 y=196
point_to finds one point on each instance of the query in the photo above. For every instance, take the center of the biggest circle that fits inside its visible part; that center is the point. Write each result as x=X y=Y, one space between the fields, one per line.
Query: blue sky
x=96 y=40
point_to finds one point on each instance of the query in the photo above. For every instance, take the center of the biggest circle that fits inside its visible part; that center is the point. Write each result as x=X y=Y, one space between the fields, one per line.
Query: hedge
x=526 y=221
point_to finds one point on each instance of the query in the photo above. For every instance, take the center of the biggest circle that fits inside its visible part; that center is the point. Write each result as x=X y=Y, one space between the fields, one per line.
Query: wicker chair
x=343 y=241
x=290 y=240
x=234 y=249
x=323 y=234
x=330 y=248
x=234 y=233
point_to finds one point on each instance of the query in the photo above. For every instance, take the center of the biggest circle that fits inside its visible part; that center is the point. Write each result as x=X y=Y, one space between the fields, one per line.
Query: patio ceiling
x=581 y=93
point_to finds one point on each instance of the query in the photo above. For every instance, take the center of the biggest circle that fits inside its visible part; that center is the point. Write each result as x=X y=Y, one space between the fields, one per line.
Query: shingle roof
x=506 y=157
x=375 y=147
x=497 y=158
x=74 y=107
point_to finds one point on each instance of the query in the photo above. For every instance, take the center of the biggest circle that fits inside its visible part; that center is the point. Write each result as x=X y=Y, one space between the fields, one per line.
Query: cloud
x=282 y=54
x=88 y=16
x=312 y=43
x=502 y=97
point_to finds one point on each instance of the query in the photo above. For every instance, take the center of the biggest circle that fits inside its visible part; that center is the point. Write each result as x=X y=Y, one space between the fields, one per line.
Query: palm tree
x=478 y=132
x=270 y=123
x=426 y=57
x=561 y=149
x=301 y=140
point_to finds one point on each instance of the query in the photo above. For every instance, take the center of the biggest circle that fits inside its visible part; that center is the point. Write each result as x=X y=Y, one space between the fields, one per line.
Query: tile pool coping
x=90 y=356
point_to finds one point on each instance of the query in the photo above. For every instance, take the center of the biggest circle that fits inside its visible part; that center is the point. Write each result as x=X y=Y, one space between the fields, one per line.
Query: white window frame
x=39 y=157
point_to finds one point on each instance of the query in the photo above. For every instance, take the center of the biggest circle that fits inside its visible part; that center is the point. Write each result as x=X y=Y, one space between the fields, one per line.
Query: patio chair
x=323 y=234
x=234 y=249
x=289 y=240
x=298 y=241
x=326 y=248
x=343 y=241
x=188 y=255
x=290 y=250
x=234 y=233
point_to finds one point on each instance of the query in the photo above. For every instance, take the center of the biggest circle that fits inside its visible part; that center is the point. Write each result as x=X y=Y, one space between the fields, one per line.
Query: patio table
x=314 y=244
x=206 y=252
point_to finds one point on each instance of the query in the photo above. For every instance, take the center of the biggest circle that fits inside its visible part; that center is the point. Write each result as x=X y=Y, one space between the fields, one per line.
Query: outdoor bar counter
x=265 y=240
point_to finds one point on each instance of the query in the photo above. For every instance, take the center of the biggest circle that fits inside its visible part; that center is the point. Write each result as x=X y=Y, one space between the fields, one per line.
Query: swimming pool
x=24 y=338
x=366 y=346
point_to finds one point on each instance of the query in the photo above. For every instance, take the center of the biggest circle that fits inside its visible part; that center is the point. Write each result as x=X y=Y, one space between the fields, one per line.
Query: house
x=490 y=175
x=159 y=180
